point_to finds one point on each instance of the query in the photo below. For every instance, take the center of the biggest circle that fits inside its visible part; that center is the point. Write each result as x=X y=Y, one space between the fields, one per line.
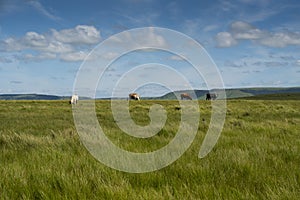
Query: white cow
x=74 y=99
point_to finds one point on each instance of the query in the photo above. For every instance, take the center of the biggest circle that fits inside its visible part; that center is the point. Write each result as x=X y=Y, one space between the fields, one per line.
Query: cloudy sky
x=43 y=43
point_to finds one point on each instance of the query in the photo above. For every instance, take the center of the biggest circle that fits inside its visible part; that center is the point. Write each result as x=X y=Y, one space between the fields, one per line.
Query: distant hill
x=236 y=93
x=248 y=93
x=277 y=96
x=30 y=97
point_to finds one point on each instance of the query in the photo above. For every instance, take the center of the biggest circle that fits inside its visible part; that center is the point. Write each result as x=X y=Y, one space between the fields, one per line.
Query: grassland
x=256 y=157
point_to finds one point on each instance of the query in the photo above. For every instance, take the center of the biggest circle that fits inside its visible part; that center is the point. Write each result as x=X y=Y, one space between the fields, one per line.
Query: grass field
x=256 y=157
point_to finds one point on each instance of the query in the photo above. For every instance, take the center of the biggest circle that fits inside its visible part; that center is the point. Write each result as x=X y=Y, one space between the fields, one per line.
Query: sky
x=44 y=43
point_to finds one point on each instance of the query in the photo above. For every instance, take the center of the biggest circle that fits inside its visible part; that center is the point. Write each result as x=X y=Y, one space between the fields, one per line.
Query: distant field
x=256 y=157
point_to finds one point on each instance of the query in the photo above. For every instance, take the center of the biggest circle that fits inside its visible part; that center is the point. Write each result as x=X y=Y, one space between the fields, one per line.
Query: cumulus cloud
x=225 y=39
x=81 y=34
x=10 y=44
x=239 y=31
x=69 y=43
x=281 y=39
x=58 y=47
x=34 y=41
x=73 y=45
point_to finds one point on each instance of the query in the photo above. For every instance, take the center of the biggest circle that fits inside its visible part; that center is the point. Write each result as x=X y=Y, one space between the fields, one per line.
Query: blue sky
x=254 y=43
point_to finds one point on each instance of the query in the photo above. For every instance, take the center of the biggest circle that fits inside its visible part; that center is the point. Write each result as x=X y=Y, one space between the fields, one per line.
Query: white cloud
x=242 y=30
x=281 y=39
x=47 y=56
x=39 y=7
x=191 y=26
x=147 y=38
x=175 y=57
x=69 y=43
x=81 y=34
x=110 y=55
x=31 y=40
x=10 y=44
x=227 y=6
x=73 y=45
x=58 y=47
x=74 y=56
x=225 y=39
x=151 y=38
x=34 y=40
x=210 y=28
x=245 y=31
x=240 y=26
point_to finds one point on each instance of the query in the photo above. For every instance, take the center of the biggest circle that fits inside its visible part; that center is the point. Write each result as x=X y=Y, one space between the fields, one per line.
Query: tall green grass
x=256 y=157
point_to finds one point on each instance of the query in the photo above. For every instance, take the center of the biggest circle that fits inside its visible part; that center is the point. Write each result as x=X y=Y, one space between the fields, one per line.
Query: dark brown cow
x=185 y=96
x=134 y=96
x=211 y=96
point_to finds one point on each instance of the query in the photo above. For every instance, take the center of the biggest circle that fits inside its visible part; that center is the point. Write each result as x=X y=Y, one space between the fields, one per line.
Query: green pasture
x=256 y=157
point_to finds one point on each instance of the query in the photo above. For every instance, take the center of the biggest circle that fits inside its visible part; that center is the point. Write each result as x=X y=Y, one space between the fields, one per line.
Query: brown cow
x=185 y=96
x=134 y=96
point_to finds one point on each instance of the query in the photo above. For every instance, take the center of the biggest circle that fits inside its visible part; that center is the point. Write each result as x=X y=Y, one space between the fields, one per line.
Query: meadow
x=256 y=157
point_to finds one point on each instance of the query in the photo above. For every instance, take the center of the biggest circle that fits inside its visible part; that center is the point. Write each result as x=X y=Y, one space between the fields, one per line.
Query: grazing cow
x=211 y=96
x=185 y=96
x=134 y=96
x=74 y=99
